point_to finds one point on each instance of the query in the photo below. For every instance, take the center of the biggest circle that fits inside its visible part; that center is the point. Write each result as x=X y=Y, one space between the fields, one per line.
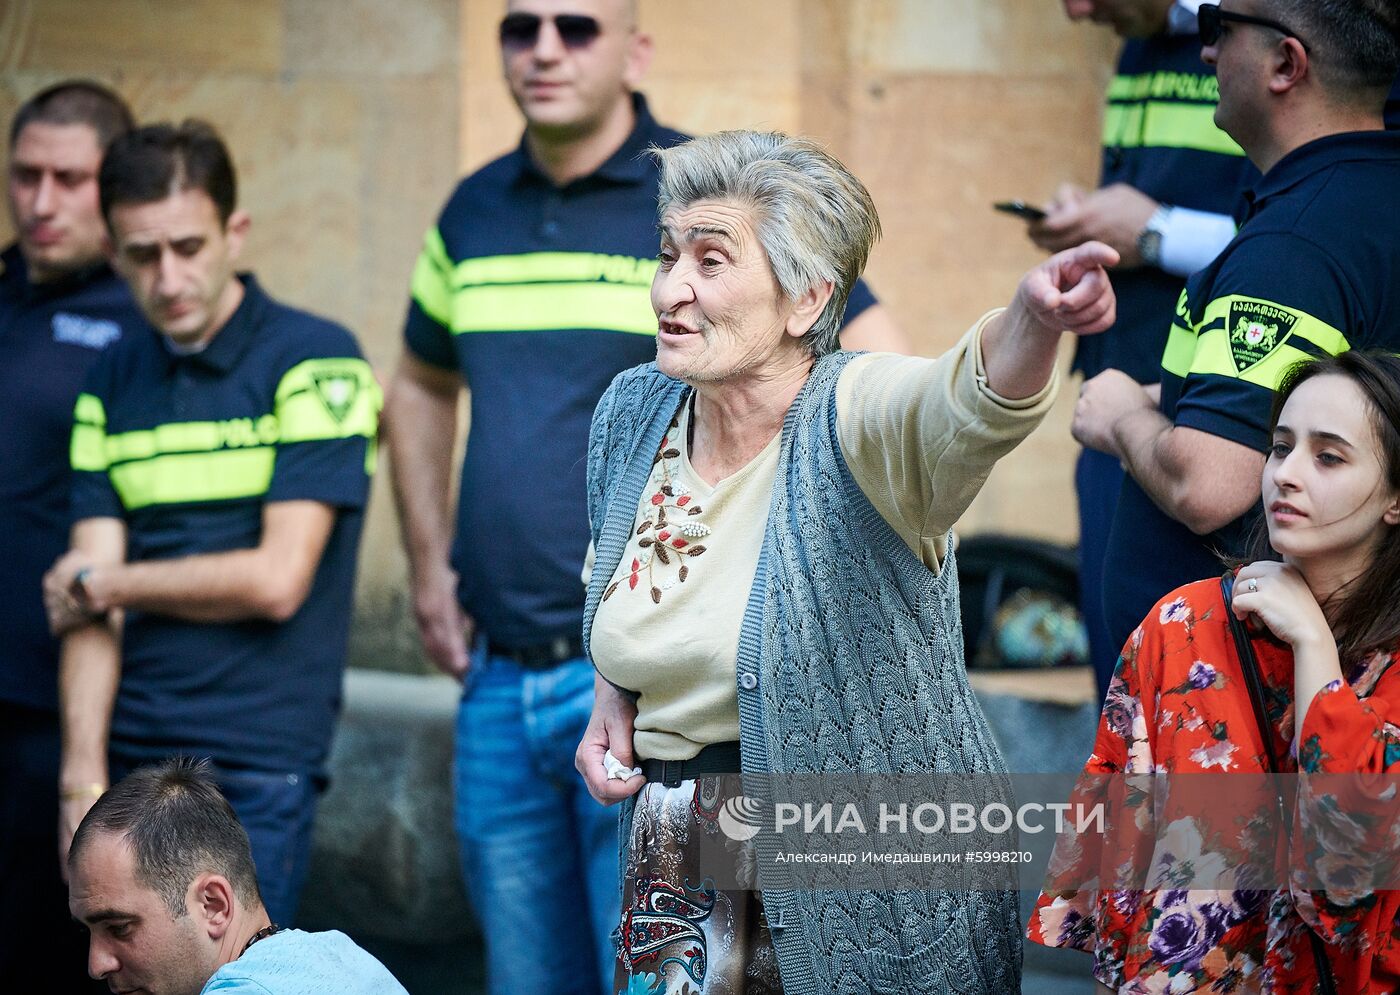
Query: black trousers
x=41 y=948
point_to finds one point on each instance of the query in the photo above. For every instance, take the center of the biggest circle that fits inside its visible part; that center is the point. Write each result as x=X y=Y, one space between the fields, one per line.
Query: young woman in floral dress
x=1323 y=604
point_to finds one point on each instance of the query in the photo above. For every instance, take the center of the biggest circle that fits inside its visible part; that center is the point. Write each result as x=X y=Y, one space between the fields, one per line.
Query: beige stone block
x=383 y=634
x=1016 y=37
x=936 y=152
x=490 y=123
x=408 y=130
x=204 y=36
x=697 y=105
x=715 y=39
x=371 y=38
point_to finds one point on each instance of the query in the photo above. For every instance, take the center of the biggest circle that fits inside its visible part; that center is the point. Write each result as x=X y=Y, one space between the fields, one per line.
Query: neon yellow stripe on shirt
x=1165 y=84
x=431 y=284
x=181 y=478
x=87 y=450
x=1180 y=351
x=89 y=410
x=1158 y=124
x=1213 y=356
x=553 y=306
x=555 y=267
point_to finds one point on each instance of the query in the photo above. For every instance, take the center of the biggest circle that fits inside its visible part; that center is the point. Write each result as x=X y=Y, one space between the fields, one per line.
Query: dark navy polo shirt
x=538 y=295
x=50 y=335
x=1312 y=272
x=1160 y=137
x=187 y=450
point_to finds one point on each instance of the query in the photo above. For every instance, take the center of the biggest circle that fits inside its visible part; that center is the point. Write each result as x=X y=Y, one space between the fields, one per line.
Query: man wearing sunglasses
x=1310 y=273
x=1170 y=181
x=533 y=288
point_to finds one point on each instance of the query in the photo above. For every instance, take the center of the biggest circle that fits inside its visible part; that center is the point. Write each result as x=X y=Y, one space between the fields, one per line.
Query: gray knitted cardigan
x=857 y=651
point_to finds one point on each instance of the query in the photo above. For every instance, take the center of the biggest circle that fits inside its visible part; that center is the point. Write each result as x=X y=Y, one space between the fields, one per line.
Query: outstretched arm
x=1069 y=292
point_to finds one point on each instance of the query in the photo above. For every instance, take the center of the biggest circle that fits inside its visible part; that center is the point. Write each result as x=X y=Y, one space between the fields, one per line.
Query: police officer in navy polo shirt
x=533 y=289
x=1312 y=272
x=60 y=306
x=222 y=462
x=1171 y=180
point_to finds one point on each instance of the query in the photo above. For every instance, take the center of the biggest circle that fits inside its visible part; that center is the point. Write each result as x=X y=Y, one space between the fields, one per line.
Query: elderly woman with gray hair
x=771 y=585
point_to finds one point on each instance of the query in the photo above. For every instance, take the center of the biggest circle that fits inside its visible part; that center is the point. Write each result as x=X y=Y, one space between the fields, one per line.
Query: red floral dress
x=1177 y=704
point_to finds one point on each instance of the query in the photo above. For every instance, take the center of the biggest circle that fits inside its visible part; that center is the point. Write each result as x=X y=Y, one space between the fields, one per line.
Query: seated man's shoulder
x=294 y=962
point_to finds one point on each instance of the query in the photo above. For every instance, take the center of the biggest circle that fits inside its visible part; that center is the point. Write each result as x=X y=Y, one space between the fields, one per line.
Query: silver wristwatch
x=1149 y=240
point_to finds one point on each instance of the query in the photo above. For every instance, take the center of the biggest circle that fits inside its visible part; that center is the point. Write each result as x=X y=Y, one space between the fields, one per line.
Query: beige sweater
x=920 y=437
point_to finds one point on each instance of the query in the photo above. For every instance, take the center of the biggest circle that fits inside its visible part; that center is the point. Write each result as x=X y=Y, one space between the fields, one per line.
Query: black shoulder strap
x=1249 y=665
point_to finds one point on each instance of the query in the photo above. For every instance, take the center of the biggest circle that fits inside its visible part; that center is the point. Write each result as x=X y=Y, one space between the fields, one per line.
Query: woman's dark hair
x=1361 y=620
x=153 y=162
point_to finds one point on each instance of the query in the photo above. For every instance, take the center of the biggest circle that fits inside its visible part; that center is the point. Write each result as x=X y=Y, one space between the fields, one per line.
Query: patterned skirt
x=680 y=934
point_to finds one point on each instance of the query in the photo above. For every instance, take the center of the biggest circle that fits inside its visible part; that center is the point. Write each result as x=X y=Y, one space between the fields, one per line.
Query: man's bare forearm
x=212 y=587
x=269 y=581
x=1140 y=436
x=1201 y=480
x=420 y=425
x=89 y=669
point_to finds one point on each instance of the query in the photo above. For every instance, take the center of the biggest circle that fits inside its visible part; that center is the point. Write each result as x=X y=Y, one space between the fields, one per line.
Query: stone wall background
x=350 y=120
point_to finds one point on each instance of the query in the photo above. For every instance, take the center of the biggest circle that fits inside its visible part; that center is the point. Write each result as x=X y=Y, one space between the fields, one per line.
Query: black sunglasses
x=523 y=30
x=1210 y=21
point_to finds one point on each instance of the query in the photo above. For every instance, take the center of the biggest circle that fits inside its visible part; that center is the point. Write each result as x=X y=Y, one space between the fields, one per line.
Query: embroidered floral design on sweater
x=668 y=527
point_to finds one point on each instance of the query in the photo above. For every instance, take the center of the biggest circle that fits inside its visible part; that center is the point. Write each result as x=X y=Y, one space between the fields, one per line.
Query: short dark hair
x=179 y=825
x=1358 y=40
x=157 y=160
x=76 y=101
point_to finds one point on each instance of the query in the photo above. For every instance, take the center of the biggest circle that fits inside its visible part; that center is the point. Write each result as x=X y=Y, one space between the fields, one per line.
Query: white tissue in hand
x=616 y=768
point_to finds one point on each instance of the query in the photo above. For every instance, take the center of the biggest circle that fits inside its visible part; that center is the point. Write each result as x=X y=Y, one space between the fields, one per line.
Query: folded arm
x=268 y=581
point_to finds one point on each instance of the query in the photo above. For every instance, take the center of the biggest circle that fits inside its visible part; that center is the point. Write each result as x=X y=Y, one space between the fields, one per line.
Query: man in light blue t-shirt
x=161 y=874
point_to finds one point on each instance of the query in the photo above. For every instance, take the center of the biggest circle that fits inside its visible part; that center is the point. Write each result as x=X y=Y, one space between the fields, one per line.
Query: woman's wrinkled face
x=720 y=312
x=1325 y=491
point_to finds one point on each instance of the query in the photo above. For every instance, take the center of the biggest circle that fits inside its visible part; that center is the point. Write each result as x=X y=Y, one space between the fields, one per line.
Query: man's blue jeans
x=540 y=855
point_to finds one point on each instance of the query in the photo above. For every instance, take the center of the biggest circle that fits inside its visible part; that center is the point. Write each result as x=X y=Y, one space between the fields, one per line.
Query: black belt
x=717 y=758
x=540 y=656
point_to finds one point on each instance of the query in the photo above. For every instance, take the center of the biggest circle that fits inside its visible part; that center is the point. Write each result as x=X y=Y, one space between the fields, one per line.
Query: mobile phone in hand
x=1021 y=209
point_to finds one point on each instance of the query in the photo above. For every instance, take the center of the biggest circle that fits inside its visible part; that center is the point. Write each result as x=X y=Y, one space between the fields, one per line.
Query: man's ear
x=1290 y=66
x=808 y=308
x=236 y=231
x=640 y=50
x=212 y=902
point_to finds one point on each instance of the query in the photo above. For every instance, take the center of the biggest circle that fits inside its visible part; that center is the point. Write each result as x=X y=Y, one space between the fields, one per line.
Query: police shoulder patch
x=338 y=391
x=1256 y=329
